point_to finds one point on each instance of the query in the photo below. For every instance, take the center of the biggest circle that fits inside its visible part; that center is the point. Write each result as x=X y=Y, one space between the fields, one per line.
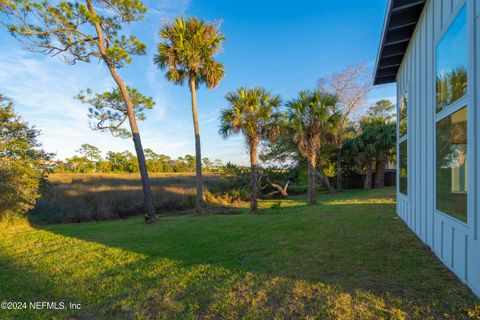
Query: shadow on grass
x=337 y=260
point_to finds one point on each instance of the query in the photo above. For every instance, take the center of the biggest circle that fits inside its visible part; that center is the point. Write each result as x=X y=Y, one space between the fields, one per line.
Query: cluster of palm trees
x=187 y=52
x=310 y=120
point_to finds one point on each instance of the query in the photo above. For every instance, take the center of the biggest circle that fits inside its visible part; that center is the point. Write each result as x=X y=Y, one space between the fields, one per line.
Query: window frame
x=468 y=101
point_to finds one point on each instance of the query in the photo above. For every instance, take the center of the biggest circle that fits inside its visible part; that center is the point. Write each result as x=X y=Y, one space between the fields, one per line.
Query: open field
x=348 y=257
x=84 y=197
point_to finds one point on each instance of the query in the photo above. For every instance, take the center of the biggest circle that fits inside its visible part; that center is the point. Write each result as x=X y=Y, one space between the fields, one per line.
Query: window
x=452 y=165
x=402 y=115
x=452 y=57
x=403 y=145
x=403 y=185
x=452 y=116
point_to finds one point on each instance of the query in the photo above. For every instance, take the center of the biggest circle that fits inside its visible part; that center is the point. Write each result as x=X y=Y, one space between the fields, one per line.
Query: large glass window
x=451 y=127
x=403 y=166
x=452 y=177
x=452 y=58
x=402 y=116
x=403 y=145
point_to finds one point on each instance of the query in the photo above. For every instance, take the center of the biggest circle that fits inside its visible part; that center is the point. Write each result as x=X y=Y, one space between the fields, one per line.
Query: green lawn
x=348 y=257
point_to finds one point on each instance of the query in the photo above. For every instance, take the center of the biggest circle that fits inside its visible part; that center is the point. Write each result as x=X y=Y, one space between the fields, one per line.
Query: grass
x=87 y=197
x=349 y=257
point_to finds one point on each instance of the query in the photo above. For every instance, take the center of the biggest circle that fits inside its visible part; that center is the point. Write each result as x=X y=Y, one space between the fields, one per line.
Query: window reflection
x=451 y=159
x=403 y=122
x=452 y=59
x=403 y=156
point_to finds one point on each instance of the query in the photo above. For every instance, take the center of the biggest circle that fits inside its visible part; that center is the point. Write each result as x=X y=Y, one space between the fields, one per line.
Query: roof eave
x=400 y=22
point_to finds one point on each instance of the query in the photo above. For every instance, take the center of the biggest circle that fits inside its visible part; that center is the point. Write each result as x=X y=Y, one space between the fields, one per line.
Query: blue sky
x=283 y=46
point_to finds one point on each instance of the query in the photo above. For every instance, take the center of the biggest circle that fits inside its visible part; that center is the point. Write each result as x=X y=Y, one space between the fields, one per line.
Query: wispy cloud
x=167 y=9
x=44 y=88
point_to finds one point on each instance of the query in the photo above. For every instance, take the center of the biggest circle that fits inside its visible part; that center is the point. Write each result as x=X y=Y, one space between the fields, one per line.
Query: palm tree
x=386 y=141
x=312 y=119
x=187 y=53
x=381 y=117
x=254 y=113
x=374 y=142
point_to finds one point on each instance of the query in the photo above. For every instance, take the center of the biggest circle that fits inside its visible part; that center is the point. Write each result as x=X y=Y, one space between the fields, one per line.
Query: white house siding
x=455 y=244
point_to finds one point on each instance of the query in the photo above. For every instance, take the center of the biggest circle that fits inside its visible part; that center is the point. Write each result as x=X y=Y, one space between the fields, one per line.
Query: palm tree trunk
x=198 y=151
x=254 y=178
x=325 y=181
x=312 y=180
x=147 y=193
x=380 y=173
x=339 y=169
x=367 y=183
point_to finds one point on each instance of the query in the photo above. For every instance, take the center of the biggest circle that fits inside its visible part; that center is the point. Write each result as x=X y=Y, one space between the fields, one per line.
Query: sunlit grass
x=348 y=257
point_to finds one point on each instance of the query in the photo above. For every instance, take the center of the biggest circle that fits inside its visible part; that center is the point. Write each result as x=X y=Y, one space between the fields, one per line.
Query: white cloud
x=43 y=90
x=169 y=8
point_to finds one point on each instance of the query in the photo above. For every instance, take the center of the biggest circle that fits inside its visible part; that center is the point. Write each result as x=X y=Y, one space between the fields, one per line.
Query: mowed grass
x=349 y=257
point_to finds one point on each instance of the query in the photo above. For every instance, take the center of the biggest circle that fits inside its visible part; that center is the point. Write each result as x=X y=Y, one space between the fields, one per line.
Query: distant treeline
x=89 y=160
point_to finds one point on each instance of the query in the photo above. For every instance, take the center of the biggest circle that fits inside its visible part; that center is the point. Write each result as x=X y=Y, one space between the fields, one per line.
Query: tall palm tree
x=254 y=113
x=187 y=53
x=312 y=119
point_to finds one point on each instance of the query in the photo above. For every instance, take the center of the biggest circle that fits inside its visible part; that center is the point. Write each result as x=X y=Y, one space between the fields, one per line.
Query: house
x=431 y=49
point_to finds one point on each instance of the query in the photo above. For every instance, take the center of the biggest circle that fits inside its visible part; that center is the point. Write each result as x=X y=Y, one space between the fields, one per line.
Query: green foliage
x=23 y=164
x=89 y=160
x=122 y=162
x=312 y=120
x=66 y=28
x=108 y=111
x=451 y=86
x=383 y=109
x=375 y=139
x=253 y=112
x=90 y=152
x=187 y=51
x=312 y=123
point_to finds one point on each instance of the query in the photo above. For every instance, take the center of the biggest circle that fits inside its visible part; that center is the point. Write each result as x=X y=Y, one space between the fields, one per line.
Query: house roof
x=400 y=22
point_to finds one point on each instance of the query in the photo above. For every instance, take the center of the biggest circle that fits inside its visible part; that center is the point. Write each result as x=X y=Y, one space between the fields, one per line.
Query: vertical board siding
x=447 y=244
x=456 y=247
x=459 y=254
x=429 y=127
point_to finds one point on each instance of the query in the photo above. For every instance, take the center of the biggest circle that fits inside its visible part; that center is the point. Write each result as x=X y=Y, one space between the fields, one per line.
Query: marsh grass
x=349 y=257
x=86 y=197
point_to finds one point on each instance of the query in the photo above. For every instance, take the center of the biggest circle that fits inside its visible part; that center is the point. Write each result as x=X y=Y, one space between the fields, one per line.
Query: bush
x=23 y=165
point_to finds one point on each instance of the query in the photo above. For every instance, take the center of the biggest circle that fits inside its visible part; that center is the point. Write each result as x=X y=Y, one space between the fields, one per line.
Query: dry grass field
x=85 y=197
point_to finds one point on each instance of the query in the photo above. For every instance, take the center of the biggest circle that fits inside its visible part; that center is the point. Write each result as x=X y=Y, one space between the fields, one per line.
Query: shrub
x=23 y=165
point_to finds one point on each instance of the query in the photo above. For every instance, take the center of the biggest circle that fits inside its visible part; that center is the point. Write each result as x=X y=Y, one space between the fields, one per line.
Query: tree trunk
x=367 y=183
x=198 y=151
x=380 y=173
x=312 y=180
x=339 y=169
x=325 y=181
x=147 y=193
x=254 y=178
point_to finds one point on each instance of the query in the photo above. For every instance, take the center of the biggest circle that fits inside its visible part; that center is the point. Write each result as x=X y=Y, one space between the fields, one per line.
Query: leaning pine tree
x=79 y=31
x=254 y=113
x=187 y=52
x=312 y=120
